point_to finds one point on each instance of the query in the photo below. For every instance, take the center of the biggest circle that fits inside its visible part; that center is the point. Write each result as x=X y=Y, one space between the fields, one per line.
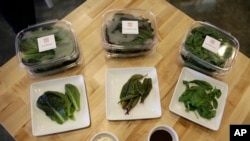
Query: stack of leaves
x=58 y=106
x=200 y=96
x=134 y=91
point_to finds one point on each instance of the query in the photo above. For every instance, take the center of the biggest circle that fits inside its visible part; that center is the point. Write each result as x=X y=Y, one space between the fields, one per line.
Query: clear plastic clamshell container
x=129 y=32
x=47 y=48
x=209 y=49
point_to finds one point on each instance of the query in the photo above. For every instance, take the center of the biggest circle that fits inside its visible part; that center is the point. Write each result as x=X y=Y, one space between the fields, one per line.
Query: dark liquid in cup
x=161 y=135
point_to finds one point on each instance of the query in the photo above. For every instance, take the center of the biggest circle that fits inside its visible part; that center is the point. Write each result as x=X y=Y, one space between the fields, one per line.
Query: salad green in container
x=47 y=48
x=128 y=32
x=209 y=49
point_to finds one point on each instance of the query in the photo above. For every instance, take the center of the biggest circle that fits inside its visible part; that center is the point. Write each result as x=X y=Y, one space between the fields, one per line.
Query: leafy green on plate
x=200 y=97
x=58 y=106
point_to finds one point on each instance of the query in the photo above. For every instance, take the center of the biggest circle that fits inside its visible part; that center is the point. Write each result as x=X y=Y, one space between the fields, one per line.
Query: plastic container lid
x=47 y=46
x=128 y=32
x=209 y=49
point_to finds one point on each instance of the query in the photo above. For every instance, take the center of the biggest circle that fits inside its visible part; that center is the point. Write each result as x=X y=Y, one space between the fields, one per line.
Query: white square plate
x=179 y=108
x=43 y=125
x=115 y=79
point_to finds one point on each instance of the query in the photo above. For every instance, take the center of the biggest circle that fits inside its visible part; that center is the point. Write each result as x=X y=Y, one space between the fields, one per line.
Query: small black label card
x=239 y=132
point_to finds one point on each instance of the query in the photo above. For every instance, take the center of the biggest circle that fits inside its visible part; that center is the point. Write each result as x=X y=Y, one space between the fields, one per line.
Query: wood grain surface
x=86 y=21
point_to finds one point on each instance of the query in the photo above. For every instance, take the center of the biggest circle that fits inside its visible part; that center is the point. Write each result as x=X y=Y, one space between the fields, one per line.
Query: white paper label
x=211 y=44
x=46 y=43
x=130 y=27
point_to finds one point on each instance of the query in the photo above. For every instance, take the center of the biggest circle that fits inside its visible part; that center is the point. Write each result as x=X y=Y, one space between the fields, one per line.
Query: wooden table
x=86 y=21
